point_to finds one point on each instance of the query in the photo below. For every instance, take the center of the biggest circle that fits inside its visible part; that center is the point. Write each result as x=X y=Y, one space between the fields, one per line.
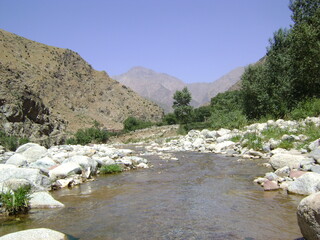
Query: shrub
x=170 y=119
x=110 y=169
x=16 y=201
x=11 y=142
x=287 y=144
x=88 y=135
x=132 y=124
x=227 y=119
x=308 y=108
x=253 y=141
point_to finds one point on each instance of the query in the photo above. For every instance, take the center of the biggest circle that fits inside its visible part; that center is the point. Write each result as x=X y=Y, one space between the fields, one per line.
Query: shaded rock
x=315 y=144
x=296 y=173
x=64 y=170
x=35 y=234
x=306 y=184
x=44 y=200
x=198 y=143
x=309 y=216
x=315 y=168
x=223 y=146
x=33 y=152
x=43 y=163
x=26 y=146
x=271 y=176
x=85 y=163
x=283 y=172
x=293 y=161
x=142 y=165
x=14 y=184
x=315 y=154
x=270 y=185
x=34 y=176
x=18 y=160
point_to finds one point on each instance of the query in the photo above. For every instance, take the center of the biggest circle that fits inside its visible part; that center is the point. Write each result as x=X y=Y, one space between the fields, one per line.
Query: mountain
x=160 y=87
x=63 y=86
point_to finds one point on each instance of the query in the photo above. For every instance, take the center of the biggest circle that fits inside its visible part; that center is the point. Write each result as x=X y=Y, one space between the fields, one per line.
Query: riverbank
x=295 y=170
x=41 y=169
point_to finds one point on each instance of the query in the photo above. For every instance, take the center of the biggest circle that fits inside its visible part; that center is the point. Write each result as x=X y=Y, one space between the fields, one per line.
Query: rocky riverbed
x=295 y=171
x=58 y=167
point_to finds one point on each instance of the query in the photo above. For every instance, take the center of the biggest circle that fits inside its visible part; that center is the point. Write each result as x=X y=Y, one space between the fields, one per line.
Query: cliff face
x=65 y=86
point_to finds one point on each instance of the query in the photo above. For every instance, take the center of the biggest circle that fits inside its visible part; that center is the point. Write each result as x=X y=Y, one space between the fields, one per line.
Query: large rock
x=35 y=234
x=86 y=163
x=223 y=146
x=307 y=184
x=64 y=170
x=44 y=200
x=18 y=160
x=293 y=161
x=315 y=154
x=34 y=176
x=309 y=216
x=32 y=152
x=43 y=163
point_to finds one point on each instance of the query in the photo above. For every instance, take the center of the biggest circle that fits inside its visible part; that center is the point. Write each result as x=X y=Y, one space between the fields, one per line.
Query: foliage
x=185 y=128
x=226 y=111
x=201 y=114
x=181 y=106
x=16 y=201
x=307 y=108
x=226 y=119
x=132 y=124
x=170 y=119
x=290 y=72
x=252 y=140
x=286 y=144
x=11 y=142
x=110 y=169
x=89 y=135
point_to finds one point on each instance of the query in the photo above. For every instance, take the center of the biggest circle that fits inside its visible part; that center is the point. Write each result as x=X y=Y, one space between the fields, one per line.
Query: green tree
x=181 y=105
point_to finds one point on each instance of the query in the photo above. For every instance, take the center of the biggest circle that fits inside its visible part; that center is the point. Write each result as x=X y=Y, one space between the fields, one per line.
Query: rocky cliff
x=62 y=85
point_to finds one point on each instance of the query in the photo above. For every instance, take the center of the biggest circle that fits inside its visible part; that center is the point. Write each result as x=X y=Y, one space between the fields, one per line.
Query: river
x=200 y=196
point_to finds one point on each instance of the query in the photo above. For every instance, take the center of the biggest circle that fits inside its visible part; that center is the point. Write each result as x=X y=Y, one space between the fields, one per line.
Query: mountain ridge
x=160 y=87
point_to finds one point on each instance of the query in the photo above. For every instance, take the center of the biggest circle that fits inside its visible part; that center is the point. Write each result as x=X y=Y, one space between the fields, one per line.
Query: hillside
x=160 y=87
x=67 y=86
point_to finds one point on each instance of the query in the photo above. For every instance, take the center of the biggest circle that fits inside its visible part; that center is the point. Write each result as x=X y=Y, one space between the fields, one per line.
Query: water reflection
x=201 y=196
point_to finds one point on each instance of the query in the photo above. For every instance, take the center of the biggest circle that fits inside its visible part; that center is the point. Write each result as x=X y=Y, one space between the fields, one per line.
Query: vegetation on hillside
x=11 y=143
x=285 y=84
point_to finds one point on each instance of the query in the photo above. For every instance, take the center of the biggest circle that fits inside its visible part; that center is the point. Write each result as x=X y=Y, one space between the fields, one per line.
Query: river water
x=200 y=196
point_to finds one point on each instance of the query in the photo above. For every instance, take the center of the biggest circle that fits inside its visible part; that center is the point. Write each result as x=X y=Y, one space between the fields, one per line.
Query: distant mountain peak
x=160 y=87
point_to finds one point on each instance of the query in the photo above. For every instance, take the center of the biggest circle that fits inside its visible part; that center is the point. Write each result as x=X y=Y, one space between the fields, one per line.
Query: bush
x=227 y=119
x=308 y=108
x=252 y=140
x=170 y=119
x=132 y=124
x=11 y=142
x=110 y=169
x=185 y=128
x=88 y=135
x=16 y=201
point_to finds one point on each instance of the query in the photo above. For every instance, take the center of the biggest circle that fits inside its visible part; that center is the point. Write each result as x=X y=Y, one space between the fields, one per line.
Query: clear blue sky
x=194 y=40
